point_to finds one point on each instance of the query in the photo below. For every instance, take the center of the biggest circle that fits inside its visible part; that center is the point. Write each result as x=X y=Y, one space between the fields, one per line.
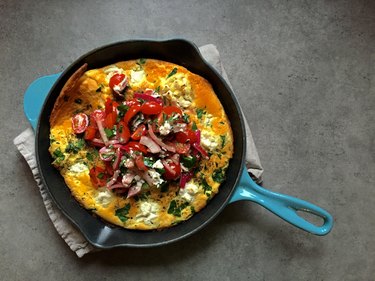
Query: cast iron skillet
x=237 y=186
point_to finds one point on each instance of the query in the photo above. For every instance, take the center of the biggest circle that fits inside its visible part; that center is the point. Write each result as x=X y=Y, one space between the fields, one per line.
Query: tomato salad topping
x=141 y=143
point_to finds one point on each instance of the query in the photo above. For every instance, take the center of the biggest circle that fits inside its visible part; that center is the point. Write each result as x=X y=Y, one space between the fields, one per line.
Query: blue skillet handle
x=282 y=205
x=35 y=95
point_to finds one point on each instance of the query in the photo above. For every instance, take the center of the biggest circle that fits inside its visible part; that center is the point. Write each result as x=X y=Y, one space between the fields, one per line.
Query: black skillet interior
x=96 y=231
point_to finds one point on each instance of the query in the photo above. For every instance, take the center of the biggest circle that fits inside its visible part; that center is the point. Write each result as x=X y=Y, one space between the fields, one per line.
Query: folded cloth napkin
x=25 y=143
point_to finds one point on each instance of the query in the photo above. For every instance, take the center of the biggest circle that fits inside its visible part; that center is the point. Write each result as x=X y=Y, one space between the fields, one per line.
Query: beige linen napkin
x=25 y=143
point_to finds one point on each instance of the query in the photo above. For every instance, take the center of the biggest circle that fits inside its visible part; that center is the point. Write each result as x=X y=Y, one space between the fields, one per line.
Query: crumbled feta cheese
x=165 y=129
x=136 y=77
x=209 y=142
x=140 y=183
x=158 y=165
x=104 y=197
x=137 y=178
x=189 y=191
x=147 y=212
x=112 y=70
x=156 y=177
x=78 y=168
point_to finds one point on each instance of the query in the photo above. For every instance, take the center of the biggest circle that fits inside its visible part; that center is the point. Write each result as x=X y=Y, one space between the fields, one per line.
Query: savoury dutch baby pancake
x=144 y=144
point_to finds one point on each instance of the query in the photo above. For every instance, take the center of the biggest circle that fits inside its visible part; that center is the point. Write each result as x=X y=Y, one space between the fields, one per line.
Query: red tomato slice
x=139 y=132
x=108 y=106
x=117 y=80
x=186 y=136
x=110 y=120
x=172 y=170
x=80 y=122
x=90 y=132
x=151 y=108
x=140 y=164
x=123 y=132
x=182 y=148
x=133 y=110
x=136 y=146
x=169 y=110
x=98 y=176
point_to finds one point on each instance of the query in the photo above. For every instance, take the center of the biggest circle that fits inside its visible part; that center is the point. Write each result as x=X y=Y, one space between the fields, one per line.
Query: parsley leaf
x=58 y=155
x=194 y=127
x=122 y=213
x=173 y=72
x=110 y=133
x=200 y=113
x=185 y=117
x=206 y=187
x=175 y=209
x=75 y=147
x=89 y=156
x=223 y=139
x=148 y=161
x=218 y=175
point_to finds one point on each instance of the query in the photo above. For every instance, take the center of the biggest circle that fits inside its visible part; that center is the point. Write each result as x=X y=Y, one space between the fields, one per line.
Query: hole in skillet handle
x=310 y=217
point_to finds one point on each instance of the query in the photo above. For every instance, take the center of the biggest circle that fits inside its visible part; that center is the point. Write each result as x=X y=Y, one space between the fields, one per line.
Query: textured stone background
x=304 y=73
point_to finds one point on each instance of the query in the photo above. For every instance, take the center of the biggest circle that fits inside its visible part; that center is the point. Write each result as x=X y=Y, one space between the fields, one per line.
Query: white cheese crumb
x=104 y=197
x=189 y=191
x=78 y=168
x=156 y=177
x=147 y=212
x=136 y=77
x=165 y=129
x=158 y=165
x=208 y=141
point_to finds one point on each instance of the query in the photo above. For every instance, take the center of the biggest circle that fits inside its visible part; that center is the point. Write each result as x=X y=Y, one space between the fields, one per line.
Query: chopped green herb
x=148 y=161
x=142 y=61
x=173 y=72
x=122 y=108
x=157 y=89
x=100 y=175
x=186 y=118
x=175 y=209
x=75 y=147
x=160 y=171
x=78 y=101
x=223 y=138
x=218 y=175
x=188 y=161
x=194 y=127
x=122 y=213
x=200 y=113
x=110 y=133
x=58 y=155
x=89 y=156
x=99 y=89
x=206 y=187
x=51 y=140
x=192 y=210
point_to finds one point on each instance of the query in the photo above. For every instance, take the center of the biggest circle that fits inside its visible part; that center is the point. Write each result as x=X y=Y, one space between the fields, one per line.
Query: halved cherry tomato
x=182 y=148
x=98 y=115
x=140 y=164
x=136 y=146
x=108 y=106
x=110 y=119
x=90 y=133
x=98 y=176
x=131 y=102
x=109 y=168
x=139 y=132
x=185 y=136
x=123 y=132
x=151 y=108
x=133 y=110
x=172 y=170
x=169 y=110
x=117 y=81
x=80 y=122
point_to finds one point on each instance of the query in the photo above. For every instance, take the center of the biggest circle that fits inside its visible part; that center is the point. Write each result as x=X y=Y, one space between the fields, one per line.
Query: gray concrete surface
x=304 y=73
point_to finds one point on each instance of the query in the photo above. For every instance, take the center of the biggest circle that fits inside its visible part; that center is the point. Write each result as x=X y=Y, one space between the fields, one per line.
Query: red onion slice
x=106 y=154
x=113 y=179
x=134 y=190
x=159 y=141
x=152 y=146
